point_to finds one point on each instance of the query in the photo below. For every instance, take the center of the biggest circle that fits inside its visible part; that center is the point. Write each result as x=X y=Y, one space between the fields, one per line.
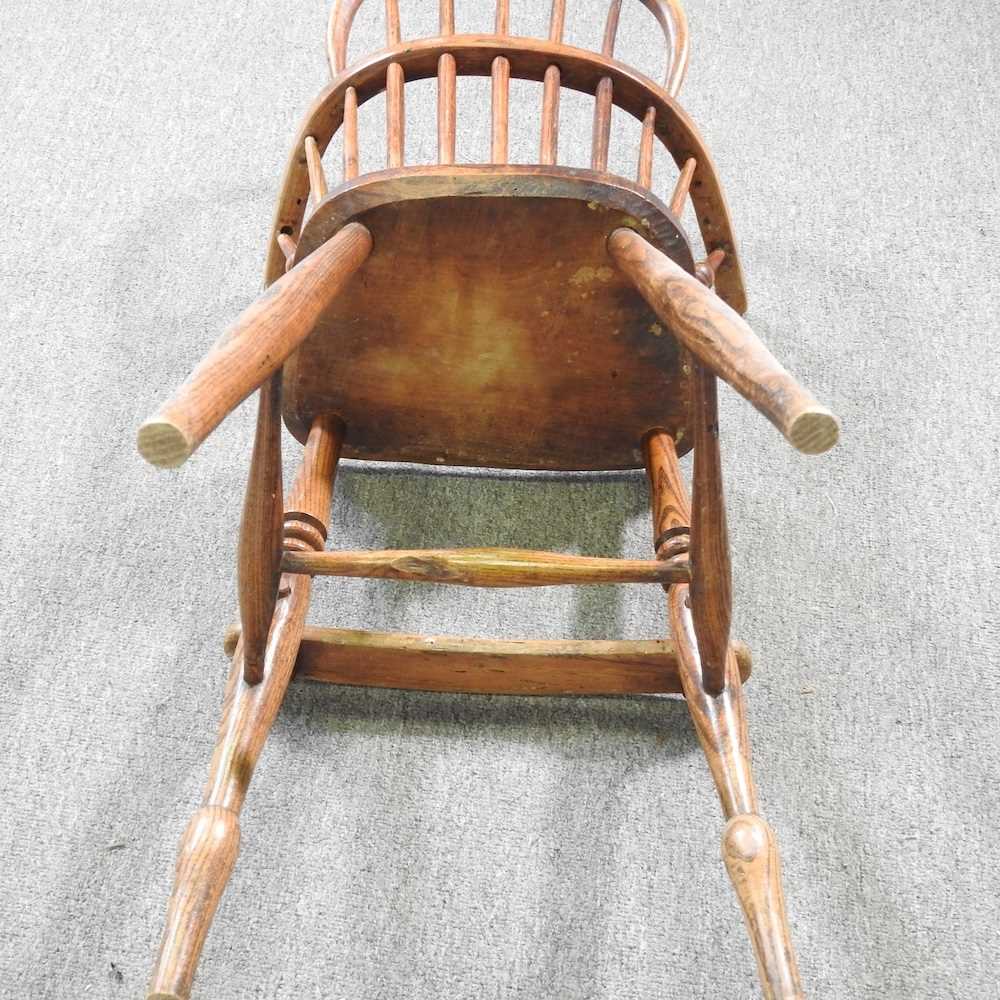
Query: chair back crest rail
x=502 y=56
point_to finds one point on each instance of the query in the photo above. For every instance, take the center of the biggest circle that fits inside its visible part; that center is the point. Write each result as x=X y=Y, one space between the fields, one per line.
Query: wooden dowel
x=288 y=248
x=601 y=138
x=720 y=338
x=557 y=20
x=644 y=171
x=705 y=270
x=711 y=588
x=500 y=103
x=446 y=108
x=312 y=491
x=350 y=133
x=392 y=34
x=446 y=17
x=484 y=567
x=259 y=559
x=603 y=101
x=317 y=178
x=500 y=109
x=549 y=145
x=670 y=507
x=679 y=198
x=395 y=115
x=253 y=348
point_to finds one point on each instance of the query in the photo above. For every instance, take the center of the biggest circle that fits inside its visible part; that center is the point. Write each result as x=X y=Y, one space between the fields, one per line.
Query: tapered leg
x=209 y=845
x=749 y=849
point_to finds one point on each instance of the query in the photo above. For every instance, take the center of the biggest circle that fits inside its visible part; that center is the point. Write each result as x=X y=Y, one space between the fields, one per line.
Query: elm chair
x=496 y=315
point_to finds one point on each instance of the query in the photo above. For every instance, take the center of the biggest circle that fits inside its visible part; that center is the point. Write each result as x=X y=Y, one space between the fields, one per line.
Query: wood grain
x=312 y=492
x=500 y=110
x=252 y=349
x=529 y=59
x=395 y=115
x=350 y=133
x=750 y=853
x=683 y=187
x=259 y=558
x=209 y=845
x=749 y=849
x=711 y=572
x=549 y=141
x=644 y=168
x=317 y=178
x=489 y=666
x=485 y=567
x=446 y=109
x=530 y=358
x=722 y=341
x=670 y=507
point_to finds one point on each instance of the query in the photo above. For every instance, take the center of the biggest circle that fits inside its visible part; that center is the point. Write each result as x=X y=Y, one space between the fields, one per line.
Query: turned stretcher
x=529 y=316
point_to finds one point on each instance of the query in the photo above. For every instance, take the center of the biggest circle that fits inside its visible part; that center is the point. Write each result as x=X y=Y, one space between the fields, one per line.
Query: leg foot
x=206 y=858
x=751 y=856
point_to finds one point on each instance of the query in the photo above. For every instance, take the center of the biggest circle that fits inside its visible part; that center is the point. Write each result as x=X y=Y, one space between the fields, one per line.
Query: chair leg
x=209 y=845
x=749 y=849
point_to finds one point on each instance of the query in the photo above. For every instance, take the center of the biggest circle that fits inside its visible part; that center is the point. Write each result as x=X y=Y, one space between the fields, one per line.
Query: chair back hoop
x=668 y=13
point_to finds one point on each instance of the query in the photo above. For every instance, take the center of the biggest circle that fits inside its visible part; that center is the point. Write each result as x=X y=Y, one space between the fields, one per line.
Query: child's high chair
x=519 y=316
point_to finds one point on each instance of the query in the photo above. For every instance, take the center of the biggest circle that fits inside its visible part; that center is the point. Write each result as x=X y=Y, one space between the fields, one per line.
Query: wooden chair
x=522 y=316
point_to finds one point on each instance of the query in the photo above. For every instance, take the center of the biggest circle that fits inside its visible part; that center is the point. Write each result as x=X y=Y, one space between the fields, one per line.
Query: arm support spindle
x=253 y=348
x=720 y=338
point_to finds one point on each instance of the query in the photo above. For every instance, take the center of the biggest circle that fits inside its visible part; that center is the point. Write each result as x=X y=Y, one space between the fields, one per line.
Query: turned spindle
x=683 y=187
x=307 y=510
x=670 y=508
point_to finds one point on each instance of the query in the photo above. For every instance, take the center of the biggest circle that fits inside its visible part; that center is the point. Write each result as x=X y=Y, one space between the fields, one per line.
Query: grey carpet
x=402 y=845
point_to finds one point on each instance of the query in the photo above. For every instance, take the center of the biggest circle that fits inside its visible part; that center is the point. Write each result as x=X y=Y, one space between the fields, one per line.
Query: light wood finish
x=446 y=109
x=287 y=245
x=644 y=170
x=711 y=573
x=549 y=142
x=749 y=849
x=721 y=340
x=317 y=178
x=312 y=491
x=252 y=349
x=489 y=666
x=601 y=138
x=683 y=187
x=485 y=567
x=350 y=133
x=500 y=110
x=750 y=853
x=670 y=507
x=395 y=115
x=705 y=270
x=446 y=16
x=529 y=59
x=529 y=359
x=260 y=547
x=719 y=719
x=209 y=845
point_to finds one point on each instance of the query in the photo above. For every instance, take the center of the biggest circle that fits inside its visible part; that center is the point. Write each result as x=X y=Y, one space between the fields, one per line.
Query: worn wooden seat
x=531 y=316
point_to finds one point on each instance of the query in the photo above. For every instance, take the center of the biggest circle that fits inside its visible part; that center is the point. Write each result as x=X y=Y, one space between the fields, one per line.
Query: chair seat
x=489 y=326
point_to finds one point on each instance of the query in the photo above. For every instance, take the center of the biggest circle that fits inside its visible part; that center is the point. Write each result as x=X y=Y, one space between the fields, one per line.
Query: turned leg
x=711 y=683
x=749 y=849
x=209 y=845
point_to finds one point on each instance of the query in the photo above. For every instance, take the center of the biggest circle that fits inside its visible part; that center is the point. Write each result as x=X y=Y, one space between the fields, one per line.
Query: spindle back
x=503 y=56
